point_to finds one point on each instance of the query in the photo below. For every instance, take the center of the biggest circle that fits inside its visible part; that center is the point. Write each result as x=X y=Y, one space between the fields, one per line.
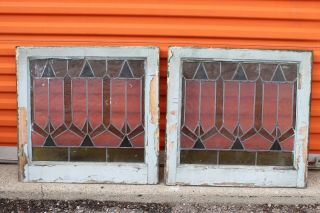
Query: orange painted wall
x=238 y=23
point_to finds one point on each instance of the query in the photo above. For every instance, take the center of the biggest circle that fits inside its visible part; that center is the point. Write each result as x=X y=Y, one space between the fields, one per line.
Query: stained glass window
x=238 y=112
x=87 y=109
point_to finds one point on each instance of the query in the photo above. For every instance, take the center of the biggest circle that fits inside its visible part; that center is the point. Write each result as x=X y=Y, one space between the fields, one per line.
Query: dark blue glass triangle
x=278 y=76
x=276 y=146
x=201 y=73
x=240 y=74
x=237 y=145
x=198 y=145
x=49 y=141
x=86 y=71
x=126 y=72
x=48 y=71
x=87 y=141
x=125 y=142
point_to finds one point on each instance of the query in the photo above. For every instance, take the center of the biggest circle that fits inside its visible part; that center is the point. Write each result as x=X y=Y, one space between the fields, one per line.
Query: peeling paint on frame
x=132 y=173
x=257 y=176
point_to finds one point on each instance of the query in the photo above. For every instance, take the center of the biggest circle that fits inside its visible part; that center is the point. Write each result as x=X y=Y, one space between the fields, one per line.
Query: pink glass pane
x=118 y=101
x=134 y=103
x=37 y=140
x=41 y=102
x=207 y=110
x=192 y=104
x=106 y=139
x=68 y=138
x=217 y=141
x=186 y=142
x=270 y=91
x=56 y=102
x=288 y=144
x=285 y=106
x=246 y=112
x=138 y=141
x=95 y=102
x=231 y=102
x=257 y=142
x=79 y=103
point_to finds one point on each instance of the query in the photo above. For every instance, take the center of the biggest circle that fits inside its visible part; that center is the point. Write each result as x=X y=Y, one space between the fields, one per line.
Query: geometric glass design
x=237 y=106
x=86 y=107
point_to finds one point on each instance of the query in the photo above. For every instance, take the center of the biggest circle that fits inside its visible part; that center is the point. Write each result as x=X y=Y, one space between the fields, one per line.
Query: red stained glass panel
x=88 y=103
x=245 y=107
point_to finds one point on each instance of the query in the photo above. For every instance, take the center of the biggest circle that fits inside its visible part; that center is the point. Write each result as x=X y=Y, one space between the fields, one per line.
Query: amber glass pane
x=49 y=154
x=125 y=155
x=275 y=159
x=89 y=103
x=237 y=158
x=88 y=154
x=198 y=157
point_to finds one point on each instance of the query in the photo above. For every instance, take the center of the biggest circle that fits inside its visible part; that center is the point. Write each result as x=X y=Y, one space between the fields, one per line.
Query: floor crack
x=42 y=193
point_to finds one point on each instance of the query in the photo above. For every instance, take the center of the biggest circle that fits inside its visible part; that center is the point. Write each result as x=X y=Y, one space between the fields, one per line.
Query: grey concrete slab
x=11 y=188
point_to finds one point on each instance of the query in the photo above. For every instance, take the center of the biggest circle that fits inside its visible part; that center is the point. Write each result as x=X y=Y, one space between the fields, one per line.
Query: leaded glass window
x=88 y=114
x=237 y=117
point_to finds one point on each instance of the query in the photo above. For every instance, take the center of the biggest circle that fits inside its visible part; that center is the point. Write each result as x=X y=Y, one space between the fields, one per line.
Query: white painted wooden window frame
x=225 y=175
x=85 y=172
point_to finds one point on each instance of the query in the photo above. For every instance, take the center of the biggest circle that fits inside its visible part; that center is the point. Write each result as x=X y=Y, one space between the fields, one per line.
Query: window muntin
x=79 y=80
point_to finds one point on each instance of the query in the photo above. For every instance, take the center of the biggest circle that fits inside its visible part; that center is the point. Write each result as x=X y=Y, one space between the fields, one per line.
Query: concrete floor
x=11 y=188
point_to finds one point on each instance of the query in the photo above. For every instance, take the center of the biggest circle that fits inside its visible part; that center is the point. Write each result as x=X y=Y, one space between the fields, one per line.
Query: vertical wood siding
x=238 y=24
